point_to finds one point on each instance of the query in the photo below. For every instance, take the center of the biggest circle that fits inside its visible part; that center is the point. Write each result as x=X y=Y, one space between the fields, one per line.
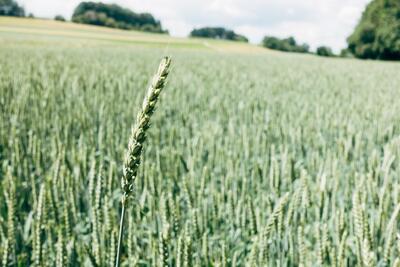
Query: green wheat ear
x=137 y=139
x=138 y=135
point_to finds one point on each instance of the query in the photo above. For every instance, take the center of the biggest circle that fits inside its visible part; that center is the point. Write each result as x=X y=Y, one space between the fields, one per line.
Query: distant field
x=53 y=29
x=254 y=157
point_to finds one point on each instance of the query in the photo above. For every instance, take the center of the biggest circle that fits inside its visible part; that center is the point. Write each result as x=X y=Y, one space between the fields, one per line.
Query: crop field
x=253 y=157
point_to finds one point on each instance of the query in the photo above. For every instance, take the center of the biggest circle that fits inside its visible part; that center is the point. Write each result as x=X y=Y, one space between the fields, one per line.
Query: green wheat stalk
x=136 y=141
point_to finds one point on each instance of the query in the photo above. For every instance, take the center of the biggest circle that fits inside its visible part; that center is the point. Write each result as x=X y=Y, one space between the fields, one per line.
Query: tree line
x=115 y=16
x=100 y=14
x=290 y=45
x=376 y=36
x=218 y=33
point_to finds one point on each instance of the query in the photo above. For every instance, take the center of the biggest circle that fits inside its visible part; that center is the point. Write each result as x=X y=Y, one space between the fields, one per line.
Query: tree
x=346 y=53
x=11 y=8
x=218 y=33
x=59 y=18
x=325 y=51
x=377 y=35
x=115 y=16
x=286 y=44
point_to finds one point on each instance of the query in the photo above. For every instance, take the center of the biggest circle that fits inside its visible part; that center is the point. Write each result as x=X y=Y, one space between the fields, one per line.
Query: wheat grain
x=163 y=246
x=6 y=254
x=389 y=234
x=274 y=216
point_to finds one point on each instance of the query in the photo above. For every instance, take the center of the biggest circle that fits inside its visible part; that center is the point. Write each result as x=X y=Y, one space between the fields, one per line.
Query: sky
x=316 y=22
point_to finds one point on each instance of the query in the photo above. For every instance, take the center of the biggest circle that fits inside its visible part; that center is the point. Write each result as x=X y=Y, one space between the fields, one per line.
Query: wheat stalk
x=136 y=141
x=389 y=234
x=274 y=216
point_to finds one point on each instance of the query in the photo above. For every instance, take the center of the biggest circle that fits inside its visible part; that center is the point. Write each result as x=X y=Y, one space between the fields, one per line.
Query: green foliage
x=59 y=18
x=11 y=8
x=295 y=162
x=377 y=35
x=218 y=33
x=346 y=53
x=286 y=44
x=325 y=51
x=115 y=16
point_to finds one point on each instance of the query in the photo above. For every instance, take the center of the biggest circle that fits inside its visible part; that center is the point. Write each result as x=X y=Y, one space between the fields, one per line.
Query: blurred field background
x=254 y=157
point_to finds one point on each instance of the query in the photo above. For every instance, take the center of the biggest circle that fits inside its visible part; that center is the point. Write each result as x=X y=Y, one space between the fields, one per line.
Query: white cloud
x=326 y=22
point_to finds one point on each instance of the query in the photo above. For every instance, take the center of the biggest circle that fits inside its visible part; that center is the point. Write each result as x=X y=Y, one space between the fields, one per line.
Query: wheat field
x=252 y=158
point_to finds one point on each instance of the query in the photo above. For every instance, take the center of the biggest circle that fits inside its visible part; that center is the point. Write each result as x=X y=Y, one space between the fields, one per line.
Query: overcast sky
x=316 y=22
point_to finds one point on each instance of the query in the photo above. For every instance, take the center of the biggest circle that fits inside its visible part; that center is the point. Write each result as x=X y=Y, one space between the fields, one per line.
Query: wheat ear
x=136 y=141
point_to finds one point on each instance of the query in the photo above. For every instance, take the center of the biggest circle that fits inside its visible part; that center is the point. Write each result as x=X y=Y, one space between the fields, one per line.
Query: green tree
x=218 y=33
x=287 y=44
x=345 y=52
x=115 y=16
x=325 y=51
x=377 y=35
x=59 y=18
x=11 y=8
